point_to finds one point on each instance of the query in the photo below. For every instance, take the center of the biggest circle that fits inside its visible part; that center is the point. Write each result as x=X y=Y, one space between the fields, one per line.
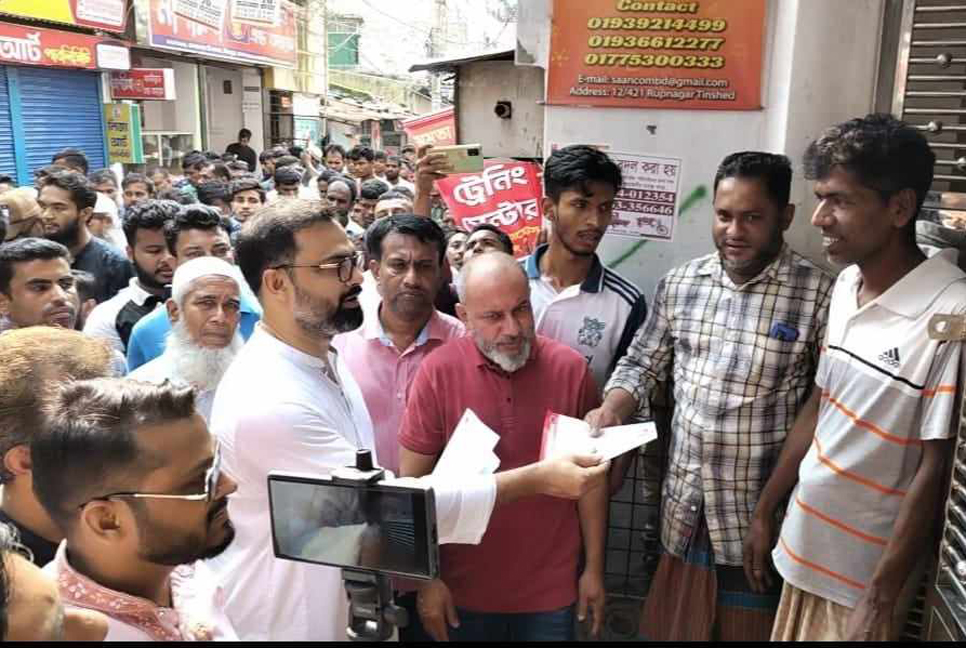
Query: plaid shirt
x=742 y=360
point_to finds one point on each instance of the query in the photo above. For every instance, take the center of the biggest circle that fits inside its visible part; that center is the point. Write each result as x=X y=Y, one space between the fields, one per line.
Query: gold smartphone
x=462 y=158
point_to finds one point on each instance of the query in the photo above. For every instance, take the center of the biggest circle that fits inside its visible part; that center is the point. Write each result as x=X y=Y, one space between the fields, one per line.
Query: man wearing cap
x=104 y=222
x=196 y=231
x=23 y=214
x=204 y=339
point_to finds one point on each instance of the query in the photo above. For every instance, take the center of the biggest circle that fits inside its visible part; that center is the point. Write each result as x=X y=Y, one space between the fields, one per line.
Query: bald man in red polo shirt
x=521 y=583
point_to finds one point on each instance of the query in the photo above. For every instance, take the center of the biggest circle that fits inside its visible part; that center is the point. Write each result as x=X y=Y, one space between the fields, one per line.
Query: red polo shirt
x=527 y=560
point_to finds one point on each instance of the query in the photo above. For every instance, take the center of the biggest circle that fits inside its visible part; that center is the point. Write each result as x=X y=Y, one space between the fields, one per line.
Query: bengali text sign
x=647 y=204
x=48 y=47
x=507 y=194
x=99 y=14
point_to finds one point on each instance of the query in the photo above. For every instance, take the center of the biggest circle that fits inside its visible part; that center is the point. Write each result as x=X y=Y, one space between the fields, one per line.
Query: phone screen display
x=373 y=528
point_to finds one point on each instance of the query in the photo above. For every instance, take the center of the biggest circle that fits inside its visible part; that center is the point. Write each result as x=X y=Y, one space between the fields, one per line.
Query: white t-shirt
x=400 y=182
x=596 y=318
x=310 y=192
x=102 y=321
x=276 y=410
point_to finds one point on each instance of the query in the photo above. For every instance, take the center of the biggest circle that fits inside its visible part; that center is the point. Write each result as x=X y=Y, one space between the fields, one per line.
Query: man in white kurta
x=288 y=403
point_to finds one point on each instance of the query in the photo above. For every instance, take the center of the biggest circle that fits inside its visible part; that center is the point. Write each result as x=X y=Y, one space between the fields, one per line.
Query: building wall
x=343 y=134
x=820 y=67
x=252 y=112
x=224 y=109
x=484 y=83
x=403 y=93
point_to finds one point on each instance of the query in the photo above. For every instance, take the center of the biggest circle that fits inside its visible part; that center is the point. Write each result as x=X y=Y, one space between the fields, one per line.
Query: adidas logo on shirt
x=891 y=357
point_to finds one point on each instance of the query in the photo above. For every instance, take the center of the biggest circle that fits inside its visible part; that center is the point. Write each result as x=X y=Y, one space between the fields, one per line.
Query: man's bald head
x=495 y=306
x=488 y=270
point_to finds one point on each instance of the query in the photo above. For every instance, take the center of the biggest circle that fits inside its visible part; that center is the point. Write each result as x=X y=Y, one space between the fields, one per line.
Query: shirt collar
x=780 y=269
x=372 y=329
x=593 y=282
x=246 y=305
x=160 y=623
x=138 y=294
x=915 y=292
x=262 y=336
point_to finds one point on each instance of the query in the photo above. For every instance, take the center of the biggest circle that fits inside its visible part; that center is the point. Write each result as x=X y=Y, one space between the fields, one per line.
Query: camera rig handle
x=373 y=616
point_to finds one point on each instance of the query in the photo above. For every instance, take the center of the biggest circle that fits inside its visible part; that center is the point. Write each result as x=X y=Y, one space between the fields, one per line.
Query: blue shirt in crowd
x=148 y=335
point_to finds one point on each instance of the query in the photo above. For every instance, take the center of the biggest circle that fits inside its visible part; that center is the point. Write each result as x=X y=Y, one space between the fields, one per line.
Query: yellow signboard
x=123 y=122
x=98 y=14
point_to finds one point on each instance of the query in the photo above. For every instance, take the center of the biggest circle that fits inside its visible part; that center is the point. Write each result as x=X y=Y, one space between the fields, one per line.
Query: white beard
x=506 y=362
x=201 y=367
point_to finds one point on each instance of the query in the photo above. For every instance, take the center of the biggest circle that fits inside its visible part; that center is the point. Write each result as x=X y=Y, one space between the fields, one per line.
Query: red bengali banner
x=507 y=194
x=143 y=83
x=49 y=47
x=436 y=129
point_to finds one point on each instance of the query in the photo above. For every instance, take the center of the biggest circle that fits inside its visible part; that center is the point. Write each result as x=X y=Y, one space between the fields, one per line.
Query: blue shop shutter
x=8 y=163
x=61 y=108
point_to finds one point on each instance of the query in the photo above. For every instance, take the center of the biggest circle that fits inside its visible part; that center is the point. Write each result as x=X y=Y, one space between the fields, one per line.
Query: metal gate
x=930 y=93
x=60 y=109
x=8 y=164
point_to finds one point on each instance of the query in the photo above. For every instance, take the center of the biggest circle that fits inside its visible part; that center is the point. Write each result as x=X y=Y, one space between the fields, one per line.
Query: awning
x=441 y=65
x=357 y=113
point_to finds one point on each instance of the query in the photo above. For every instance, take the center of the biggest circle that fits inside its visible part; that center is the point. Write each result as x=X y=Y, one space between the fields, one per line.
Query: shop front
x=217 y=52
x=168 y=104
x=293 y=119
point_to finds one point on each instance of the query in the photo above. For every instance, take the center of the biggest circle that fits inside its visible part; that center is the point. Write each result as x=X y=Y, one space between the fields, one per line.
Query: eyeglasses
x=345 y=265
x=212 y=476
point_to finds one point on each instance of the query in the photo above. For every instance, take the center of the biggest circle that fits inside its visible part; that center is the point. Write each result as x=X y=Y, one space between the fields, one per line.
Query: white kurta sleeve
x=462 y=510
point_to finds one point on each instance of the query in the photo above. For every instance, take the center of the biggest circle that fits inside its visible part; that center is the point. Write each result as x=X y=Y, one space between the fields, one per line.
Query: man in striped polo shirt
x=869 y=450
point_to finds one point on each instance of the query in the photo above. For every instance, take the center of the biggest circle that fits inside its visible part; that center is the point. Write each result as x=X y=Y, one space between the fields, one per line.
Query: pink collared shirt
x=197 y=612
x=385 y=374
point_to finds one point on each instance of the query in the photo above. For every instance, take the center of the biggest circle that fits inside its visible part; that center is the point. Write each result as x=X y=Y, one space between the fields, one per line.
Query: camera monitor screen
x=378 y=527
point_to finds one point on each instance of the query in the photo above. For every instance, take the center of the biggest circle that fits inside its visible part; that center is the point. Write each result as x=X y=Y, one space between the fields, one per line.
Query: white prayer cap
x=189 y=271
x=105 y=205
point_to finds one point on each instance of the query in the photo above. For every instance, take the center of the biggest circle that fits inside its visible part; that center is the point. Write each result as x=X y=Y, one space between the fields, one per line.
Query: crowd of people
x=168 y=342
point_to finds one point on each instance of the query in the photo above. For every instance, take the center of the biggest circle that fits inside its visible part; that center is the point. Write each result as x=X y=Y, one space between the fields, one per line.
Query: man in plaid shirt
x=739 y=334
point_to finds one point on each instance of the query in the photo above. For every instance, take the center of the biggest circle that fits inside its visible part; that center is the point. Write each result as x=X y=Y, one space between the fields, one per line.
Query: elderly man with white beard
x=204 y=338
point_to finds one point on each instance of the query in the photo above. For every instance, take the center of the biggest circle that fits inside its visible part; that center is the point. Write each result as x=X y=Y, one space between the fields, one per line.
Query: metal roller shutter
x=61 y=108
x=930 y=93
x=8 y=161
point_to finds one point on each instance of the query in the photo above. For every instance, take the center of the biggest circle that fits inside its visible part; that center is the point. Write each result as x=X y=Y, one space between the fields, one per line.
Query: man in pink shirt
x=406 y=259
x=523 y=581
x=402 y=328
x=130 y=473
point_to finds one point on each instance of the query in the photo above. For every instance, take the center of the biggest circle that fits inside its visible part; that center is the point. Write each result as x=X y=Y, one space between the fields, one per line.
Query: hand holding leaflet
x=564 y=435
